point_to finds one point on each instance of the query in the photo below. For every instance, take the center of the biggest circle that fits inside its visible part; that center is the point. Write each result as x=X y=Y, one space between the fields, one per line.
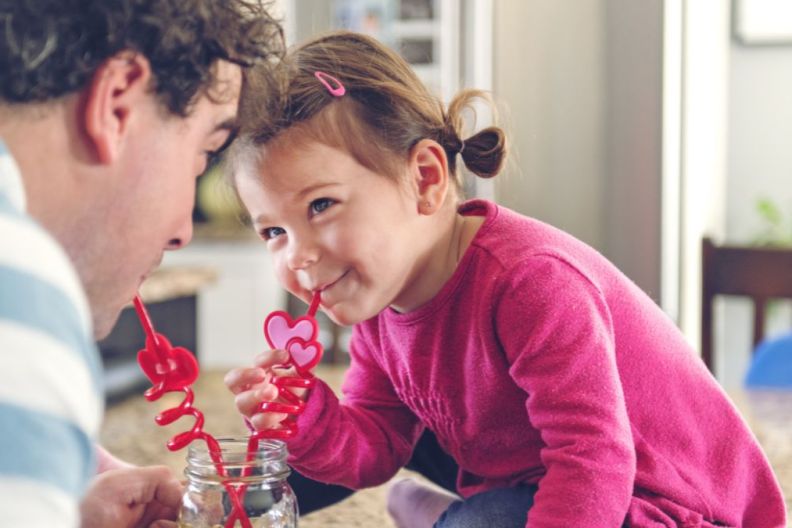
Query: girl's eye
x=268 y=233
x=320 y=204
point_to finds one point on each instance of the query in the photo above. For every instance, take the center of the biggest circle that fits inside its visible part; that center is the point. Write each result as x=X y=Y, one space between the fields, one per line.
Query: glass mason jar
x=260 y=485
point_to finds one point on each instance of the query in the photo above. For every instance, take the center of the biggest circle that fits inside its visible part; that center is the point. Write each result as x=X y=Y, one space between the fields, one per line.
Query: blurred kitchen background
x=639 y=126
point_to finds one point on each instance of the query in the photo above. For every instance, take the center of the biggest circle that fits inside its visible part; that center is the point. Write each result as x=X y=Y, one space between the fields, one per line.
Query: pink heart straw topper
x=299 y=338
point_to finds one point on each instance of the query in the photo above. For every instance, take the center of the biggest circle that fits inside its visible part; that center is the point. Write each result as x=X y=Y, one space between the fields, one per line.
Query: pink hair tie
x=326 y=79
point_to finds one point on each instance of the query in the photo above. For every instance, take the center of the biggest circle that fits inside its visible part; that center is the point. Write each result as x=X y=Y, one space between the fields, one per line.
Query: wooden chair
x=760 y=273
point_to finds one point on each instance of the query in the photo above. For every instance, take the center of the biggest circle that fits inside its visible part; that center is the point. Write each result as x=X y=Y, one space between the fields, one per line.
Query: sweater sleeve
x=361 y=441
x=557 y=332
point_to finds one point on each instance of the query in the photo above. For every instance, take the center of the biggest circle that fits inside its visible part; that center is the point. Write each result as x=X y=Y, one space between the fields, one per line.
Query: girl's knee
x=505 y=508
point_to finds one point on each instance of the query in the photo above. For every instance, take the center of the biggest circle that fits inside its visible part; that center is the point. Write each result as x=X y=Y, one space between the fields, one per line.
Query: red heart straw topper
x=169 y=368
x=172 y=369
x=176 y=369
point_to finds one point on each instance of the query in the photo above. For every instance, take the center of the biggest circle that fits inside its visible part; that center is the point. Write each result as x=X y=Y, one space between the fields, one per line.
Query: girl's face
x=333 y=225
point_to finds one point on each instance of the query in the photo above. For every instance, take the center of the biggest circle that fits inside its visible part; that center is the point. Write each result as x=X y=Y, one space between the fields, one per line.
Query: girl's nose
x=302 y=253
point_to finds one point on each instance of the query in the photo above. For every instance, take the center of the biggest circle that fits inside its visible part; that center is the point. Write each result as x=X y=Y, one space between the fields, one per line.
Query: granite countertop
x=175 y=281
x=769 y=415
x=229 y=231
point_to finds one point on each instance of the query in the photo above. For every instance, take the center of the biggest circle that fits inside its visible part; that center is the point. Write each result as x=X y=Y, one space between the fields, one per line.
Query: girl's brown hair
x=385 y=111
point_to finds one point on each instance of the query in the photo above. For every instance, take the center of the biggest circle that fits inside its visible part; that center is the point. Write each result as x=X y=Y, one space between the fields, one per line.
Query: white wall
x=633 y=137
x=548 y=78
x=759 y=165
x=760 y=136
x=704 y=125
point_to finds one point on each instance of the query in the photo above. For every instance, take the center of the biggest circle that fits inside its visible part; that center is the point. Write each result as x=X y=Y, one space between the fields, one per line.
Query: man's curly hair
x=51 y=48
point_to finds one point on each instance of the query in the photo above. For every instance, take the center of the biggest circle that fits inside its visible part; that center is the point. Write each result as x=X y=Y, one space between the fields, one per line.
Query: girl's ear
x=118 y=87
x=429 y=175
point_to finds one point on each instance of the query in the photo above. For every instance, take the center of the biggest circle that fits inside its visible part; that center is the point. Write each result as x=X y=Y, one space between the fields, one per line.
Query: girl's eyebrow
x=261 y=220
x=264 y=219
x=312 y=188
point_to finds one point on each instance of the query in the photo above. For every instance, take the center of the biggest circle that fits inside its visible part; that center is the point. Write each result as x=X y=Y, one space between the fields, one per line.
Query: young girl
x=564 y=394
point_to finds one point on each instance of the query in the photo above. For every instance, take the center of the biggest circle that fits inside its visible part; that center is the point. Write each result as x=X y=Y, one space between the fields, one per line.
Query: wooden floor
x=129 y=431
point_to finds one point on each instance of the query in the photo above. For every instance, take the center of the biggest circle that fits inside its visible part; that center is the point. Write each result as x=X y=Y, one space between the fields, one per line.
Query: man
x=109 y=110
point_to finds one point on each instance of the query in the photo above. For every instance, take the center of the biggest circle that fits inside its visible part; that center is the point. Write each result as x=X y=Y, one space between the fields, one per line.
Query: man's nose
x=182 y=237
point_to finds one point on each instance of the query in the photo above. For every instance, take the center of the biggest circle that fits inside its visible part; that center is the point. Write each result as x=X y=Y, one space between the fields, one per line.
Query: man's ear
x=430 y=177
x=118 y=87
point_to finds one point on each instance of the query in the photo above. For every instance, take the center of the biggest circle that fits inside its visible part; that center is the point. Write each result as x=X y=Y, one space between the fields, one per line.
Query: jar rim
x=268 y=449
x=268 y=463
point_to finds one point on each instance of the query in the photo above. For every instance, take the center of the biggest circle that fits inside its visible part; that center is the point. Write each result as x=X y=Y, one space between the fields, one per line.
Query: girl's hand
x=253 y=386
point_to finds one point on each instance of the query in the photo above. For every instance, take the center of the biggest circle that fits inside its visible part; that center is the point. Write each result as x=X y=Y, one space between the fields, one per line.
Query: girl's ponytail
x=484 y=153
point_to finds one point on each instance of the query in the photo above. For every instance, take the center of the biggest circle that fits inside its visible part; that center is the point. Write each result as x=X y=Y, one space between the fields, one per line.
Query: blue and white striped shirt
x=50 y=389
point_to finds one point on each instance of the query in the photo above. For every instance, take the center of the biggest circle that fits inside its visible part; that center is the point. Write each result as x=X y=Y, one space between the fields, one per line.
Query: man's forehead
x=224 y=96
x=218 y=106
x=227 y=82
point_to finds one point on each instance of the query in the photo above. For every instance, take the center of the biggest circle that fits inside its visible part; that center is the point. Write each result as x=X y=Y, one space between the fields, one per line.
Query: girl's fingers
x=242 y=379
x=247 y=402
x=271 y=358
x=262 y=421
x=253 y=386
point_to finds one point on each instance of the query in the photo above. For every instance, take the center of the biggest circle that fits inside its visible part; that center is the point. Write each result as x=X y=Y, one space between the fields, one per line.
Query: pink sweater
x=539 y=362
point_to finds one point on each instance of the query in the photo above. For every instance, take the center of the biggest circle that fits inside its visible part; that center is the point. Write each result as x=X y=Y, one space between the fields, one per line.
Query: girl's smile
x=324 y=289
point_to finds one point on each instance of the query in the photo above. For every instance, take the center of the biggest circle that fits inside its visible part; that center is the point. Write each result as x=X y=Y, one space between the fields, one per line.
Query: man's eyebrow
x=232 y=123
x=232 y=126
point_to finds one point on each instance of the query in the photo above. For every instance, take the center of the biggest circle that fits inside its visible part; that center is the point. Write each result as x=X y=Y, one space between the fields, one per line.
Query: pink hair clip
x=326 y=79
